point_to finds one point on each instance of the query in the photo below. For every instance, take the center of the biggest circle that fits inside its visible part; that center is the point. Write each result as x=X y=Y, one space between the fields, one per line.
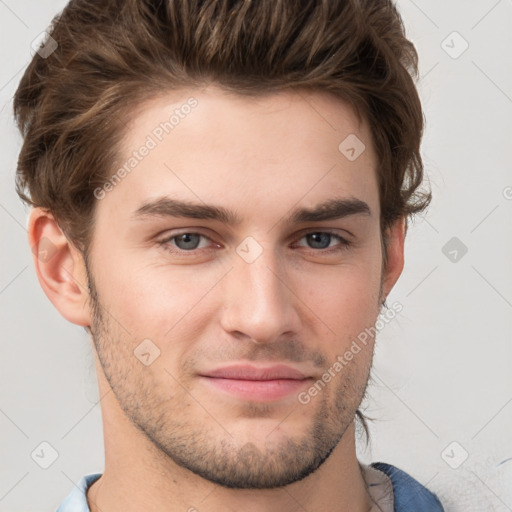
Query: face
x=211 y=319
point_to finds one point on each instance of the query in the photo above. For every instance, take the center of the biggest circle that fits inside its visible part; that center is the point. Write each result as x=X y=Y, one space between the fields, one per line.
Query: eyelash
x=343 y=246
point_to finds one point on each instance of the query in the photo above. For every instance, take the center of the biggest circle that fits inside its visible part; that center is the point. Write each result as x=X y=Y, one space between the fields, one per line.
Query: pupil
x=187 y=238
x=320 y=235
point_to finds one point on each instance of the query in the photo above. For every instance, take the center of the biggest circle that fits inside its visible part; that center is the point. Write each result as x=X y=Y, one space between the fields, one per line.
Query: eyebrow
x=331 y=209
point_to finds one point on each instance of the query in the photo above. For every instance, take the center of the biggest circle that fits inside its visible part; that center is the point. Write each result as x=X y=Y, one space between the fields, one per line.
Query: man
x=221 y=193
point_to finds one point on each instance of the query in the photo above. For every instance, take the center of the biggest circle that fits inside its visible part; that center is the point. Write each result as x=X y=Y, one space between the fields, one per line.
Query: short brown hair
x=114 y=54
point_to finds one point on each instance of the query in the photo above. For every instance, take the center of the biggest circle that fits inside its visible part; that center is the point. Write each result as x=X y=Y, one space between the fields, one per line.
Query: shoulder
x=408 y=491
x=76 y=501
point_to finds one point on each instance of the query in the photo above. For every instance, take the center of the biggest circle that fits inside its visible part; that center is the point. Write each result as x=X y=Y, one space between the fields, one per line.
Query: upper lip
x=248 y=372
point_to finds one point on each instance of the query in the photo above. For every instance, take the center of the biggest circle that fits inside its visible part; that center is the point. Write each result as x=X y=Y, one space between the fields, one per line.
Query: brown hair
x=114 y=54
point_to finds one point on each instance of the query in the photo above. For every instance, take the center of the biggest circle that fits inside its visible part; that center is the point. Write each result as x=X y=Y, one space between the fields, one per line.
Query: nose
x=258 y=300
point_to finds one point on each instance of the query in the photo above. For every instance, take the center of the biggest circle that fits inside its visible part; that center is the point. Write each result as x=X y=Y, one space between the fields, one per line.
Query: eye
x=322 y=239
x=185 y=242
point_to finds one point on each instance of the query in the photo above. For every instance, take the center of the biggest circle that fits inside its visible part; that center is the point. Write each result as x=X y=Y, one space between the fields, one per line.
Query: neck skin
x=138 y=476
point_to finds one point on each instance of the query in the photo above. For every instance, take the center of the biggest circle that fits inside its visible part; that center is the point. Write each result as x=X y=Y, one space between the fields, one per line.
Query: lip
x=248 y=372
x=258 y=384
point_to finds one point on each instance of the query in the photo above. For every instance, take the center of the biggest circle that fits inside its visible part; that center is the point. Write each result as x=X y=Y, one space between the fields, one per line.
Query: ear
x=59 y=267
x=395 y=264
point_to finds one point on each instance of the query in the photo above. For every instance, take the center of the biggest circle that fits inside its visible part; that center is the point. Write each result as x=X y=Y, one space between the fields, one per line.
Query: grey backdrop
x=442 y=382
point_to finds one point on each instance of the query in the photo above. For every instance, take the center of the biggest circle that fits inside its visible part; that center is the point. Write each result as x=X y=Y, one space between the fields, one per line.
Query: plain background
x=443 y=367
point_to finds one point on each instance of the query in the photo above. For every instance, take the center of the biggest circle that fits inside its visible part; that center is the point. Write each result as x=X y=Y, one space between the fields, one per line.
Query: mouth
x=256 y=383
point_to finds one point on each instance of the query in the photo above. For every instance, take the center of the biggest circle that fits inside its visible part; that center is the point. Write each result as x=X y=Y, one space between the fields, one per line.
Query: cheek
x=345 y=293
x=155 y=301
x=345 y=305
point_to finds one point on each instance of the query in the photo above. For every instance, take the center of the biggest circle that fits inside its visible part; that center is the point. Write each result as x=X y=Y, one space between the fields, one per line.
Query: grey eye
x=323 y=239
x=188 y=241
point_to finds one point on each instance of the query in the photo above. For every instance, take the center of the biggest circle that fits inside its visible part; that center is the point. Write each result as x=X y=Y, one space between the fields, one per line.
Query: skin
x=186 y=444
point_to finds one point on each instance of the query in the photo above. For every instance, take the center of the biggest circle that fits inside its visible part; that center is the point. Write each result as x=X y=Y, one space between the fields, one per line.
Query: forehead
x=214 y=146
x=286 y=117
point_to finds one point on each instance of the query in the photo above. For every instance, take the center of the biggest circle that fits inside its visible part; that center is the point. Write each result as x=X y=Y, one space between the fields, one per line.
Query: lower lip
x=263 y=390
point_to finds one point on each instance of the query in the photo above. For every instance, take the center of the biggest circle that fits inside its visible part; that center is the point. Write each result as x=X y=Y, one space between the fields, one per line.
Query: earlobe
x=59 y=267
